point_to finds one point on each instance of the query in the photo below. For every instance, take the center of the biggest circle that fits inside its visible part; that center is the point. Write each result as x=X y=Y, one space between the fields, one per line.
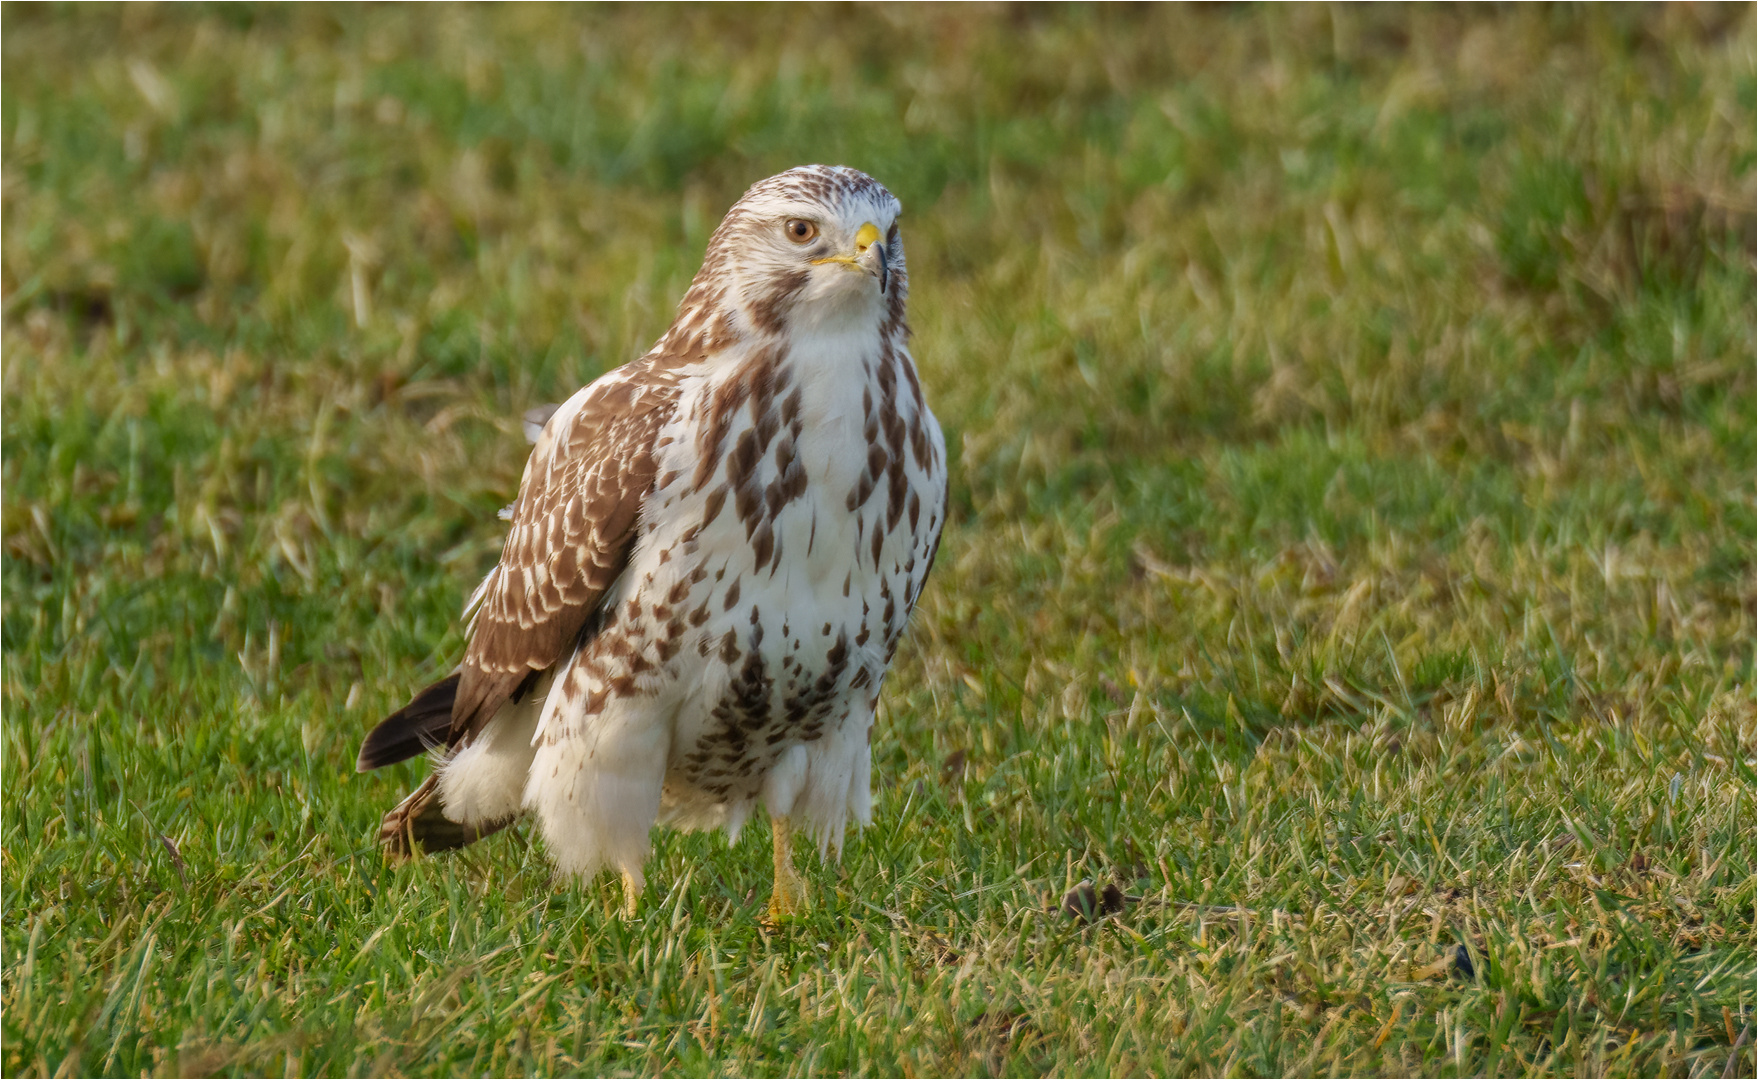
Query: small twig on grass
x=169 y=845
x=1733 y=1054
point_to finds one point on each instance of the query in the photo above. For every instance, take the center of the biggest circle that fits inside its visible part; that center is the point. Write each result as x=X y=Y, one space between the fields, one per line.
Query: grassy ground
x=1352 y=555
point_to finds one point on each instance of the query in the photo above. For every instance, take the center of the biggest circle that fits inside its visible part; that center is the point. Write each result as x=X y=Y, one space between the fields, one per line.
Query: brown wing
x=573 y=526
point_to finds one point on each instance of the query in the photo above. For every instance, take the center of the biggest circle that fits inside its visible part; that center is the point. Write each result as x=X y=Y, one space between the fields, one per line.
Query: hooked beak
x=869 y=256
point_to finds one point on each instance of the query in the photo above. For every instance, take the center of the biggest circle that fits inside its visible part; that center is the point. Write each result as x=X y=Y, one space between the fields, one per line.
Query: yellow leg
x=790 y=889
x=631 y=892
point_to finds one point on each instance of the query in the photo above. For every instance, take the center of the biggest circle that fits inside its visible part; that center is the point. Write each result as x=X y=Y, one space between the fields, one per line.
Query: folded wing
x=572 y=529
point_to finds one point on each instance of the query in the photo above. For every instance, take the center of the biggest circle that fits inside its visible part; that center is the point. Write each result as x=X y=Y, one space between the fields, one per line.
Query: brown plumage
x=713 y=556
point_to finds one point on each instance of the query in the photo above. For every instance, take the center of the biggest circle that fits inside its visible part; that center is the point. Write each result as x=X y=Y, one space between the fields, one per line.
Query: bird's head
x=816 y=245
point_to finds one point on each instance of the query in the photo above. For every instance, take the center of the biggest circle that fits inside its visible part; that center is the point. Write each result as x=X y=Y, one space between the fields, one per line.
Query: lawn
x=1351 y=559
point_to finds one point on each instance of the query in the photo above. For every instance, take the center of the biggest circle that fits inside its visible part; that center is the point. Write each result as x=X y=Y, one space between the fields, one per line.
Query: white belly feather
x=741 y=658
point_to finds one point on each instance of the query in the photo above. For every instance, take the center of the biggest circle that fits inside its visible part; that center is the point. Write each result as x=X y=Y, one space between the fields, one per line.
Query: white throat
x=839 y=302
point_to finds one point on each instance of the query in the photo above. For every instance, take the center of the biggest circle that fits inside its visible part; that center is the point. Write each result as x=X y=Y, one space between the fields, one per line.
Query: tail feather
x=419 y=820
x=415 y=728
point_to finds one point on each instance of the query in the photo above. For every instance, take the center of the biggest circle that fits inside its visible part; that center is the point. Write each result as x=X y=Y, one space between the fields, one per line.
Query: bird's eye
x=800 y=231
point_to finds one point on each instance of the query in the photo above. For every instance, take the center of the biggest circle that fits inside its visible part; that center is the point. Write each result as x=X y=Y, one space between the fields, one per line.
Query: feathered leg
x=596 y=781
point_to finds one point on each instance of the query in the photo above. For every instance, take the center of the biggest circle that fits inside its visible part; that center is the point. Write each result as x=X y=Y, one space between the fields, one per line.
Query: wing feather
x=573 y=526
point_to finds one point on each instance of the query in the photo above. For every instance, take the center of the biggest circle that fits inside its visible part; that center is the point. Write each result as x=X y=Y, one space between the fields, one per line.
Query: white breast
x=794 y=608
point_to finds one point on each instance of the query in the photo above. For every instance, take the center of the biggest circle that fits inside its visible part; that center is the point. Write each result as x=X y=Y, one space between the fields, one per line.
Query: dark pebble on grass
x=1088 y=903
x=1462 y=965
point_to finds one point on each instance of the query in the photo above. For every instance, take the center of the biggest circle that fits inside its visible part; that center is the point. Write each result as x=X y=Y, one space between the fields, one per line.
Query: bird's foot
x=631 y=894
x=790 y=897
x=788 y=900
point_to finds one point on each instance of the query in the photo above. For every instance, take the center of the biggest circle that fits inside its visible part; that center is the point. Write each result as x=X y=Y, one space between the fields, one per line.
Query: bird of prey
x=713 y=555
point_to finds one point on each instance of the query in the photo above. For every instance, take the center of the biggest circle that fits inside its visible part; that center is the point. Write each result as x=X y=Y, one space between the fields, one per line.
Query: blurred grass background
x=1352 y=552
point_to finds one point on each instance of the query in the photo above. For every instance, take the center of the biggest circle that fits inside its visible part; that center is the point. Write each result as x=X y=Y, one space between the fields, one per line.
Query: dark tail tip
x=415 y=728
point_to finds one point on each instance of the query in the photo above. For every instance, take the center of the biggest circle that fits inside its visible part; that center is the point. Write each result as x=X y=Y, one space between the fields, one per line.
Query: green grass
x=1352 y=555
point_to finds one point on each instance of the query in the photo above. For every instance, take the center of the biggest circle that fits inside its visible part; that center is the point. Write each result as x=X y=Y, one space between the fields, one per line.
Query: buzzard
x=714 y=553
